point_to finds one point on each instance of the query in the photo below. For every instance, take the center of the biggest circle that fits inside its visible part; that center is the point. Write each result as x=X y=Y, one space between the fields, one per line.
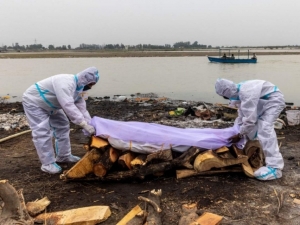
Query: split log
x=87 y=215
x=139 y=161
x=226 y=155
x=129 y=216
x=83 y=167
x=188 y=214
x=14 y=210
x=35 y=208
x=106 y=161
x=154 y=212
x=208 y=219
x=255 y=154
x=245 y=165
x=125 y=160
x=190 y=173
x=97 y=142
x=138 y=219
x=208 y=160
x=222 y=150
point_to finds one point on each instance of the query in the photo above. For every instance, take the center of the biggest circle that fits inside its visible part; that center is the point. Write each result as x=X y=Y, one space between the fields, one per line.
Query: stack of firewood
x=104 y=162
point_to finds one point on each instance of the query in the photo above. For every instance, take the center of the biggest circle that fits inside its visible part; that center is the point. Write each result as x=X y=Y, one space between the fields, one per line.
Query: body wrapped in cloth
x=150 y=137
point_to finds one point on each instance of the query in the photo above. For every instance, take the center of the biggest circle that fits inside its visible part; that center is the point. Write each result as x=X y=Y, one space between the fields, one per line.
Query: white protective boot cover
x=51 y=168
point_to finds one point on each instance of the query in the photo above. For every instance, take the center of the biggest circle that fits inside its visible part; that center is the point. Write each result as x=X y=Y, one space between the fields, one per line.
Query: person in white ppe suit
x=259 y=105
x=48 y=104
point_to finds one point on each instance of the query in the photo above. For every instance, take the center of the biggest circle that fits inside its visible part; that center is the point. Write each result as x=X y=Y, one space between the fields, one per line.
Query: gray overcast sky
x=211 y=22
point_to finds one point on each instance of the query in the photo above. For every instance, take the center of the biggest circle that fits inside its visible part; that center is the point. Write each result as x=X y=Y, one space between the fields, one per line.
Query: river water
x=183 y=78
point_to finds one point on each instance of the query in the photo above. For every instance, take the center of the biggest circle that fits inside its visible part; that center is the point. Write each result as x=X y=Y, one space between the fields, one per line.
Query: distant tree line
x=177 y=46
x=33 y=47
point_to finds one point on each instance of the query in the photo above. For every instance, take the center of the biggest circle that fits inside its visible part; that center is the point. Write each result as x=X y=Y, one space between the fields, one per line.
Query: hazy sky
x=210 y=22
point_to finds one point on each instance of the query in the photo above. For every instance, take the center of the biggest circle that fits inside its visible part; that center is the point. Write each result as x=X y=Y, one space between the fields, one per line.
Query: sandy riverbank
x=104 y=54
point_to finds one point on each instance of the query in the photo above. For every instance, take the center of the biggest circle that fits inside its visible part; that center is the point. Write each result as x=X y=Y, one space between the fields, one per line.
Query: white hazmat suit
x=48 y=104
x=260 y=103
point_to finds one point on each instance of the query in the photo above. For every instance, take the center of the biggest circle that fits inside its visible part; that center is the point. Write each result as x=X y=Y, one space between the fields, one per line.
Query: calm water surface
x=185 y=78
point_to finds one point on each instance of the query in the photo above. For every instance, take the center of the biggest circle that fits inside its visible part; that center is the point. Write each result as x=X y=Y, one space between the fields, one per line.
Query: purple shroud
x=207 y=138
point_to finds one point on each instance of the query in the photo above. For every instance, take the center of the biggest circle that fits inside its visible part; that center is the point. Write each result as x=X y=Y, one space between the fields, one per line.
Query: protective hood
x=226 y=88
x=87 y=76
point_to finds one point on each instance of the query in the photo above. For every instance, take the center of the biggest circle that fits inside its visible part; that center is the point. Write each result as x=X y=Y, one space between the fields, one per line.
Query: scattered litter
x=296 y=201
x=293 y=117
x=13 y=121
x=292 y=195
x=266 y=206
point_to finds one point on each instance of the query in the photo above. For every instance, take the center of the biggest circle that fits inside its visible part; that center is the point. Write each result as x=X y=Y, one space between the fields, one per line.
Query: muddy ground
x=239 y=199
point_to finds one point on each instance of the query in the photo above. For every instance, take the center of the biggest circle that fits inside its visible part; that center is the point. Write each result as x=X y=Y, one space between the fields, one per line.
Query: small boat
x=231 y=58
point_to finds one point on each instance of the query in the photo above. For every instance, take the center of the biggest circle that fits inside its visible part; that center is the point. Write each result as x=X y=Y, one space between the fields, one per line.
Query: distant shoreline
x=109 y=54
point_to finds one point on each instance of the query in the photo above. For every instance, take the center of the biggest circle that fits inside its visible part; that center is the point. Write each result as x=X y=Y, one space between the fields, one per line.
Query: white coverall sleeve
x=64 y=94
x=239 y=119
x=249 y=100
x=81 y=105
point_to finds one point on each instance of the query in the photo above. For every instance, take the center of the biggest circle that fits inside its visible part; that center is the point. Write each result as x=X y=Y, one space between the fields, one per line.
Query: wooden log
x=153 y=209
x=138 y=219
x=36 y=207
x=125 y=160
x=87 y=215
x=129 y=216
x=14 y=210
x=245 y=165
x=143 y=171
x=164 y=155
x=222 y=149
x=190 y=173
x=97 y=142
x=226 y=155
x=139 y=173
x=188 y=214
x=208 y=219
x=152 y=203
x=208 y=160
x=138 y=161
x=106 y=161
x=83 y=167
x=255 y=154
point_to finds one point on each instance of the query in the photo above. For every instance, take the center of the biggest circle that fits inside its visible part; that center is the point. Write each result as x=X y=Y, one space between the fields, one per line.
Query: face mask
x=86 y=87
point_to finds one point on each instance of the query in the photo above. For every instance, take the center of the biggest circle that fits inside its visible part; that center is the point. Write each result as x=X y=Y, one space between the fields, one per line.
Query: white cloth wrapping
x=162 y=136
x=144 y=148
